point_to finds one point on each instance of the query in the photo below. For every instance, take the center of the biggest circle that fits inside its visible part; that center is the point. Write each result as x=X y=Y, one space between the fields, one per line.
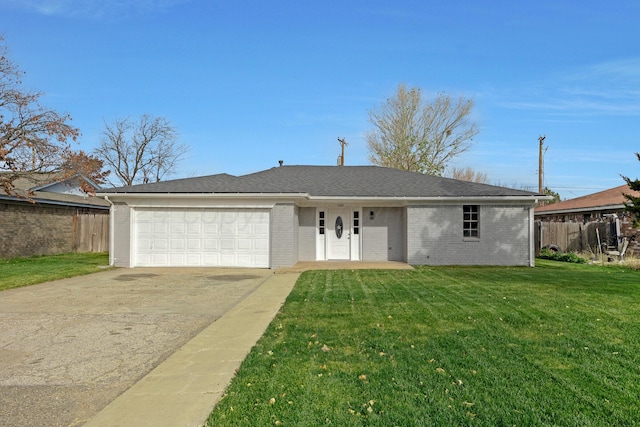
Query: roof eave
x=466 y=199
x=41 y=201
x=582 y=209
x=204 y=195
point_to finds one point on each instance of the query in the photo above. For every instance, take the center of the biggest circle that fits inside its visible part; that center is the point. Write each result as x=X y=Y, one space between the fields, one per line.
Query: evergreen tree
x=632 y=203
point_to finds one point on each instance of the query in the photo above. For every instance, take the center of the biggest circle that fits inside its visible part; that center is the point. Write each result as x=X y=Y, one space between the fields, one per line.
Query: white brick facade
x=284 y=235
x=434 y=236
x=383 y=234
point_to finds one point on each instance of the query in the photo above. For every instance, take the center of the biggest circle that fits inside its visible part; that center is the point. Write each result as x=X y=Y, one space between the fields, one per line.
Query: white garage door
x=178 y=237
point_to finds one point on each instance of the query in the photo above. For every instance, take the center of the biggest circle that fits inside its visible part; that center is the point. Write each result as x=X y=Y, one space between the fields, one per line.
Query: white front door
x=338 y=234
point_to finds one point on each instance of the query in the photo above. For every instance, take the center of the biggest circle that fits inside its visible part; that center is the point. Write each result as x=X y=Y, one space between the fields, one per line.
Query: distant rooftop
x=607 y=199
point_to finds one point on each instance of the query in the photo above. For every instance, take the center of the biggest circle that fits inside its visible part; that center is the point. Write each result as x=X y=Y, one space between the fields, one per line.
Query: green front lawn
x=554 y=345
x=19 y=272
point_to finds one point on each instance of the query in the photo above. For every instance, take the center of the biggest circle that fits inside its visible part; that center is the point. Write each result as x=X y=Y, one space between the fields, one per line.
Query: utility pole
x=342 y=142
x=541 y=165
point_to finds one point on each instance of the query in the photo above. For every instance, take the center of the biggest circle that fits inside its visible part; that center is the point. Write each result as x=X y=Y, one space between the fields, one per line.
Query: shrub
x=559 y=256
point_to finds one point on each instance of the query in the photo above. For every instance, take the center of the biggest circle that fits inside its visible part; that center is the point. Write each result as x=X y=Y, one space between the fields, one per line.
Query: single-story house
x=41 y=216
x=605 y=206
x=279 y=216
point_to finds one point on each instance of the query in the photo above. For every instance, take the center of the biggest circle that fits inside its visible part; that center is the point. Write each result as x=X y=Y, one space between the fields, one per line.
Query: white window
x=471 y=221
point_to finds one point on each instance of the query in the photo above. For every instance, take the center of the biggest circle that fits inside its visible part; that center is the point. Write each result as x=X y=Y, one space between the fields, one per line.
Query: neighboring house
x=41 y=218
x=604 y=206
x=287 y=214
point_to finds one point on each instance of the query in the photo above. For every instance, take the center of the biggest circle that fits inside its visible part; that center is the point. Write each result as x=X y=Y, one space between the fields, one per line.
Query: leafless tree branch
x=140 y=151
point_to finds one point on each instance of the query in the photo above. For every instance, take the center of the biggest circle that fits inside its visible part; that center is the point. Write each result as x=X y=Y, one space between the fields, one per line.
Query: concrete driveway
x=68 y=348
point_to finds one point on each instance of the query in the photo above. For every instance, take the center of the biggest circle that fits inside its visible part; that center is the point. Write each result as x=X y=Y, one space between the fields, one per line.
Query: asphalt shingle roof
x=612 y=197
x=35 y=181
x=329 y=181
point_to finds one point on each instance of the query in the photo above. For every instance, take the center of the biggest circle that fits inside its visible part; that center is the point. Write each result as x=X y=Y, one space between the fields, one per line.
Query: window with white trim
x=471 y=221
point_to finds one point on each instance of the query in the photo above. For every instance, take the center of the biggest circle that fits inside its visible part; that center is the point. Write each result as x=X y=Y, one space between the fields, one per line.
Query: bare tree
x=140 y=152
x=413 y=135
x=32 y=138
x=468 y=174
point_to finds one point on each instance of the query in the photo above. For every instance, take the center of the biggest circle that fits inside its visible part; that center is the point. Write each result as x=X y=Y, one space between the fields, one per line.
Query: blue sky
x=248 y=83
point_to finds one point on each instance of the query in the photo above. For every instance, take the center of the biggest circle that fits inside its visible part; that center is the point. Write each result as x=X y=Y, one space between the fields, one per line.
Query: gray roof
x=328 y=181
x=32 y=188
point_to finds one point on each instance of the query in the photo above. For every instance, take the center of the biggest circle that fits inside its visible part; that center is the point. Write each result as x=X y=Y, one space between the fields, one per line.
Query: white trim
x=405 y=199
x=204 y=195
x=133 y=241
x=304 y=199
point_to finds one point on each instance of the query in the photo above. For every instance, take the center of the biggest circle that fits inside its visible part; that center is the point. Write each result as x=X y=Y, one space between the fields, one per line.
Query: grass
x=19 y=272
x=482 y=346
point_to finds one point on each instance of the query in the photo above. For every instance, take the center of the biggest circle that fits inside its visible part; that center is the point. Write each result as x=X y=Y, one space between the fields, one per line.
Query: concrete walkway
x=183 y=390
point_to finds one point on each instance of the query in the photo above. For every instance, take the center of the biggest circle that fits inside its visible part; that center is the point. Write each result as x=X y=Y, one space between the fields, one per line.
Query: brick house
x=45 y=222
x=603 y=206
x=279 y=216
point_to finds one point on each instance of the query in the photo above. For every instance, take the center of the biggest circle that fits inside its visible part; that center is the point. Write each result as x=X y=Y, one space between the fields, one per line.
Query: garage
x=201 y=237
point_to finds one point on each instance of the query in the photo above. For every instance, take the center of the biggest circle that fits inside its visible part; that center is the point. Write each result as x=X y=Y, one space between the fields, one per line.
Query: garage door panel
x=143 y=243
x=244 y=259
x=261 y=260
x=211 y=259
x=211 y=244
x=227 y=259
x=177 y=244
x=159 y=244
x=193 y=216
x=159 y=259
x=261 y=244
x=194 y=259
x=201 y=237
x=177 y=228
x=194 y=244
x=227 y=244
x=261 y=229
x=228 y=229
x=177 y=259
x=244 y=244
x=210 y=229
x=194 y=228
x=160 y=228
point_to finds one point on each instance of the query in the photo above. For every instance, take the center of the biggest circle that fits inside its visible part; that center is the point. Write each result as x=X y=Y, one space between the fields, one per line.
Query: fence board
x=571 y=236
x=91 y=233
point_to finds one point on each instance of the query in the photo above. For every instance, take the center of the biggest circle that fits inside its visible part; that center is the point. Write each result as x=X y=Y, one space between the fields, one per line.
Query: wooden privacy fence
x=90 y=233
x=572 y=237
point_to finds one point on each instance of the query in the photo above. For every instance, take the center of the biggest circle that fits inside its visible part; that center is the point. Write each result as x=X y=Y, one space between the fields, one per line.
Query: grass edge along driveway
x=18 y=272
x=554 y=345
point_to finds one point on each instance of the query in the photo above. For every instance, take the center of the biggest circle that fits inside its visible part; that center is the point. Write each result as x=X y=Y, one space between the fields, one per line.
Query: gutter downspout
x=112 y=208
